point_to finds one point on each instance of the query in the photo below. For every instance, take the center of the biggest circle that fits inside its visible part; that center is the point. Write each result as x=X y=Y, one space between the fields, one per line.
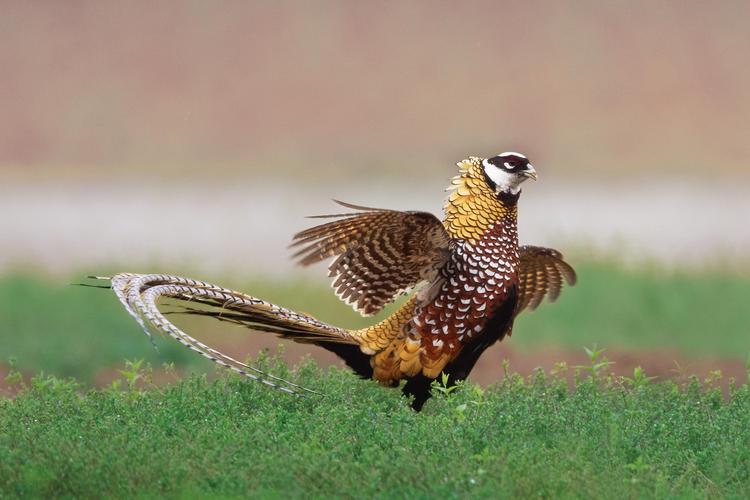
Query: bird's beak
x=531 y=173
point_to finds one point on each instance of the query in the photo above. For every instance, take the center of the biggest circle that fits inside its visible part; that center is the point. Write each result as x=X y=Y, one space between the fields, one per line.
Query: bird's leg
x=420 y=388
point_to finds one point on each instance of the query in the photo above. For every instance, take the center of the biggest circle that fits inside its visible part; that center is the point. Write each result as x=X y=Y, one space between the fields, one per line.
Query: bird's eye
x=510 y=165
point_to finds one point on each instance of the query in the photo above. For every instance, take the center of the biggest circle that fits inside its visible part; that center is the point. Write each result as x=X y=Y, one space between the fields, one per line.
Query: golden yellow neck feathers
x=472 y=206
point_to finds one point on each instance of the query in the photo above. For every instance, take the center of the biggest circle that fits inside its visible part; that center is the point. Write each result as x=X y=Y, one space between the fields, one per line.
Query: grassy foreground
x=607 y=437
x=72 y=331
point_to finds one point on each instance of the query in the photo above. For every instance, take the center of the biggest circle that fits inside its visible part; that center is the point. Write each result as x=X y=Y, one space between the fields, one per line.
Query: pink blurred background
x=367 y=88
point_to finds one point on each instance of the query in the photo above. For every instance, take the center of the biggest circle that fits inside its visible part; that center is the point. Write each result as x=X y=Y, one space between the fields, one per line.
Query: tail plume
x=139 y=294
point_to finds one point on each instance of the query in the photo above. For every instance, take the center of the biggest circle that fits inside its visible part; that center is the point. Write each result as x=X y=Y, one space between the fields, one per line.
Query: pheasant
x=471 y=278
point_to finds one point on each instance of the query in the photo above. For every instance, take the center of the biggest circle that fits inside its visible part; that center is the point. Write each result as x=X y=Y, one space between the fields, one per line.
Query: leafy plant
x=136 y=372
x=639 y=378
x=597 y=362
x=443 y=385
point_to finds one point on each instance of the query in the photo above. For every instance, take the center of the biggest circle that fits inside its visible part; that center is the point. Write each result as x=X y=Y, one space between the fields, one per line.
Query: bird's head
x=485 y=191
x=505 y=172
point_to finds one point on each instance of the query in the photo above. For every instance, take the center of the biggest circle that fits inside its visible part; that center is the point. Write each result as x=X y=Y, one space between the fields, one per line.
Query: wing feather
x=542 y=273
x=379 y=253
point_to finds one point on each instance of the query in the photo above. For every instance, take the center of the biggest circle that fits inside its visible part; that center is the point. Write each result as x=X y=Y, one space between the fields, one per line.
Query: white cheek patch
x=497 y=175
x=504 y=181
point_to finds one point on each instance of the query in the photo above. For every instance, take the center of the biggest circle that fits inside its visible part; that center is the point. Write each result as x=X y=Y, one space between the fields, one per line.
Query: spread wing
x=380 y=253
x=541 y=274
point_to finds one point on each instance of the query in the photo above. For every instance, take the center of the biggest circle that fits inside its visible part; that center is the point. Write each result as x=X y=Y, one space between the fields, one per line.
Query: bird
x=466 y=276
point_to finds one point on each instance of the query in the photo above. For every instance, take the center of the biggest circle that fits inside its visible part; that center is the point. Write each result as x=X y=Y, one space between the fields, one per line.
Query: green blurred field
x=48 y=325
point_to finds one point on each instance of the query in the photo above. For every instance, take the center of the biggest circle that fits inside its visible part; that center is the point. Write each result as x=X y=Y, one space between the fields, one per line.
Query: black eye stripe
x=509 y=162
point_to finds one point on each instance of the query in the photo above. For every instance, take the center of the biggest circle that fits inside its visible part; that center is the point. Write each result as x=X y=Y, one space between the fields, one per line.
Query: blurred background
x=193 y=137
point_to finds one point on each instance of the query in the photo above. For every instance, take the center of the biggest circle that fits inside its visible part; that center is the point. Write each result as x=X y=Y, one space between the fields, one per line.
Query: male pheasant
x=473 y=281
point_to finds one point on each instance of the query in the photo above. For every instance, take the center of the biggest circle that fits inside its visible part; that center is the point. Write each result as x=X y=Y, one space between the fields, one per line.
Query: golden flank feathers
x=433 y=366
x=387 y=364
x=375 y=338
x=411 y=363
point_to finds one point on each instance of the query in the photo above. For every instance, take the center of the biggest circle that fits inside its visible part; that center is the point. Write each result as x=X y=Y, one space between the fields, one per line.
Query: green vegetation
x=73 y=331
x=606 y=438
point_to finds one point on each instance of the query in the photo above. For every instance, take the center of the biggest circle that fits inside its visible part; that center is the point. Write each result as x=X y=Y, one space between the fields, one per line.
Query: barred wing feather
x=380 y=254
x=542 y=273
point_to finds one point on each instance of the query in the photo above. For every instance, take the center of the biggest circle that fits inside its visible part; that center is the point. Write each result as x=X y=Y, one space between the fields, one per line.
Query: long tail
x=139 y=294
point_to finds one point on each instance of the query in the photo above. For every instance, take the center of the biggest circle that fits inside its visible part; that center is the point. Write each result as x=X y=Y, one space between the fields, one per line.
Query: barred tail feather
x=139 y=295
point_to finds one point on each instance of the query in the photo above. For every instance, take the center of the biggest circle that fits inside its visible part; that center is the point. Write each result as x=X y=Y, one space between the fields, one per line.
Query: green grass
x=74 y=331
x=607 y=438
